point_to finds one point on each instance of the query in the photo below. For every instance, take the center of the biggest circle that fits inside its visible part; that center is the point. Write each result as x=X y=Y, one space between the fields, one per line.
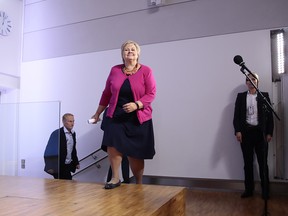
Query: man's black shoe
x=265 y=196
x=246 y=194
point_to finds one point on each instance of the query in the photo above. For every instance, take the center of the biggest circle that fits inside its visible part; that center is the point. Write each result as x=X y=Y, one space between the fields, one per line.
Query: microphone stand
x=266 y=108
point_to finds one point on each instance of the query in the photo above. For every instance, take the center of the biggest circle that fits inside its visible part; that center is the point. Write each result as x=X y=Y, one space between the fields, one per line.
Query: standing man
x=60 y=154
x=253 y=124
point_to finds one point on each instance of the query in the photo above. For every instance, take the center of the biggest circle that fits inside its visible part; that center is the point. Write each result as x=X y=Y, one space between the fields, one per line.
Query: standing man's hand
x=239 y=137
x=268 y=138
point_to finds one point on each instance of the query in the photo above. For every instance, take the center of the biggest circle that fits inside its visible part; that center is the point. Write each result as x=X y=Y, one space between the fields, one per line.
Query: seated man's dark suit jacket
x=53 y=160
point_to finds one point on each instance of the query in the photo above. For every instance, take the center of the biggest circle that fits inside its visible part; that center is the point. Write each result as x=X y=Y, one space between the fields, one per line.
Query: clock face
x=5 y=24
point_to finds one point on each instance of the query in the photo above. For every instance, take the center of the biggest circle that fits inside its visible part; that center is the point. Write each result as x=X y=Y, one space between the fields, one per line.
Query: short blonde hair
x=138 y=49
x=255 y=75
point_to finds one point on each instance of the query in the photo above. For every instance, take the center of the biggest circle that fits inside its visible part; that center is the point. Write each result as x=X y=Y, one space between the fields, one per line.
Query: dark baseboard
x=276 y=186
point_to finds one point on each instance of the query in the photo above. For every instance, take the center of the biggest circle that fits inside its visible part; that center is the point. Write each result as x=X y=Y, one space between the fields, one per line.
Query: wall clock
x=5 y=24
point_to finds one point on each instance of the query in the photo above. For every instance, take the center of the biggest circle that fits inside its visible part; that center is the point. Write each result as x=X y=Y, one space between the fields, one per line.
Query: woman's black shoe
x=111 y=185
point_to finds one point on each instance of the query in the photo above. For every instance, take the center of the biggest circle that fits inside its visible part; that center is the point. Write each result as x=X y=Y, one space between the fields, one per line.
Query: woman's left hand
x=129 y=107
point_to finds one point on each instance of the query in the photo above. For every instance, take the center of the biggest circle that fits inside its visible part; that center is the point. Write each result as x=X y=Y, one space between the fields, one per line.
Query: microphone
x=239 y=61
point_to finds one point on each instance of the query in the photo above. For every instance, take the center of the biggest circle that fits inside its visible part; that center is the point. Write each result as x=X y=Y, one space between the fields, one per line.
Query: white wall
x=197 y=83
x=36 y=121
x=8 y=139
x=10 y=46
x=10 y=63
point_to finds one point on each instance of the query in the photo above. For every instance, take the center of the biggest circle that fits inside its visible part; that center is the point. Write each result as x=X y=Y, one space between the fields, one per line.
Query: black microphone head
x=238 y=60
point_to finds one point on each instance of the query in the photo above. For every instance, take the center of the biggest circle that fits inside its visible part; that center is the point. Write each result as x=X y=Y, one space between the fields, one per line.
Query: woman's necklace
x=130 y=72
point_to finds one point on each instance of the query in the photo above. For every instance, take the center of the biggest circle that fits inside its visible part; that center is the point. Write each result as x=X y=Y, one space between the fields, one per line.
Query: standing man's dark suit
x=253 y=137
x=56 y=163
x=240 y=114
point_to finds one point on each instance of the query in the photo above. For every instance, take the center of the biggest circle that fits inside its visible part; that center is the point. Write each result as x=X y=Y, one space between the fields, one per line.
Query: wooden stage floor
x=224 y=203
x=38 y=197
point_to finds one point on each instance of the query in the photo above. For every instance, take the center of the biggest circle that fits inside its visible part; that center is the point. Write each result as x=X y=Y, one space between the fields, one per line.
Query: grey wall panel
x=89 y=32
x=55 y=13
x=284 y=90
x=45 y=14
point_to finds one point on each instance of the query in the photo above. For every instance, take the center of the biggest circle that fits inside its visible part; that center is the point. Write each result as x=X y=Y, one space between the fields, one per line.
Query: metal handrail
x=90 y=154
x=91 y=164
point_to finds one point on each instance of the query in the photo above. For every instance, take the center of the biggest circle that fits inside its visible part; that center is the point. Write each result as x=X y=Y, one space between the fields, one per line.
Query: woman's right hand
x=96 y=117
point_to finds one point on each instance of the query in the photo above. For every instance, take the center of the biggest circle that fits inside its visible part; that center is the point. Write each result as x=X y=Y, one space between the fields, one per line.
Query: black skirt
x=125 y=133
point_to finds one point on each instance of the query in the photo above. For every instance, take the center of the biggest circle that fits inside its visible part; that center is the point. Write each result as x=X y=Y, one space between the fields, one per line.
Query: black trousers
x=254 y=140
x=64 y=172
